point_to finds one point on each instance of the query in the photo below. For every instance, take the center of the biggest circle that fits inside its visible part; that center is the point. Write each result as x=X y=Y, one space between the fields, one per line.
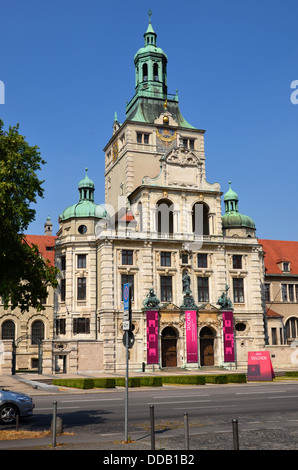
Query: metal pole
x=235 y=434
x=54 y=423
x=152 y=427
x=126 y=391
x=186 y=432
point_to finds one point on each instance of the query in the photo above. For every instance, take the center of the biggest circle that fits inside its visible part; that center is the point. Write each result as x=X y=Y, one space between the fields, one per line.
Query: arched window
x=145 y=72
x=292 y=328
x=165 y=217
x=200 y=219
x=155 y=72
x=8 y=330
x=37 y=331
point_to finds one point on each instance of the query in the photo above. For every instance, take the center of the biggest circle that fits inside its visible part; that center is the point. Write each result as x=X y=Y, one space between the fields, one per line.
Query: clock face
x=166 y=135
x=166 y=138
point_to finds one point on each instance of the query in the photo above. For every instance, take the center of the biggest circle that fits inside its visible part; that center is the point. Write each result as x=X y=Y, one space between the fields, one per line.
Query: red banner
x=259 y=366
x=191 y=336
x=152 y=337
x=228 y=336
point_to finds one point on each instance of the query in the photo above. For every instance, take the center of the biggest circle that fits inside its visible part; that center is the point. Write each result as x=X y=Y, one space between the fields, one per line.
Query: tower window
x=145 y=72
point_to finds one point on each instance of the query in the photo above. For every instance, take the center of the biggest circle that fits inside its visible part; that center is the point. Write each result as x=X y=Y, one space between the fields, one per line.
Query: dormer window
x=286 y=267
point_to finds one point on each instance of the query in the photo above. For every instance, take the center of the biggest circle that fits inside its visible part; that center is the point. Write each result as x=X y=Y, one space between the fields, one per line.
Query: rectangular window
x=274 y=336
x=286 y=267
x=81 y=288
x=81 y=261
x=63 y=262
x=291 y=292
x=165 y=258
x=139 y=138
x=238 y=290
x=166 y=288
x=127 y=279
x=203 y=289
x=237 y=261
x=60 y=326
x=267 y=292
x=81 y=325
x=202 y=260
x=127 y=257
x=191 y=144
x=284 y=292
x=146 y=138
x=62 y=289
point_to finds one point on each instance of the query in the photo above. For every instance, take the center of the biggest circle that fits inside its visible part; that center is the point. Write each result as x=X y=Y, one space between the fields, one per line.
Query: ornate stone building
x=161 y=230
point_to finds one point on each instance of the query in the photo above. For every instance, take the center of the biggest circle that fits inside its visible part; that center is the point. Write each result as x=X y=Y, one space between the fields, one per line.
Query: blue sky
x=67 y=66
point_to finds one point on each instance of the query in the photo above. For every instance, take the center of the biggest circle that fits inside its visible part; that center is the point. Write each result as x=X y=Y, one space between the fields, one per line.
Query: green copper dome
x=86 y=206
x=232 y=218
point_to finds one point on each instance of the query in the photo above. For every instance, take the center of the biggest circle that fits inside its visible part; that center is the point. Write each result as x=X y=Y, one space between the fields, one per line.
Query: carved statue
x=151 y=299
x=224 y=301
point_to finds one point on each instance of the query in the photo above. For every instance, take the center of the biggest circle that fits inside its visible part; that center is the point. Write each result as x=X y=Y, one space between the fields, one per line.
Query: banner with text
x=228 y=336
x=152 y=337
x=191 y=336
x=259 y=366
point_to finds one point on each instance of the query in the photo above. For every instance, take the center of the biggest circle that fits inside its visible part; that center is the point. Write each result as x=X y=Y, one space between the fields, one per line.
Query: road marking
x=180 y=402
x=254 y=393
x=181 y=396
x=92 y=399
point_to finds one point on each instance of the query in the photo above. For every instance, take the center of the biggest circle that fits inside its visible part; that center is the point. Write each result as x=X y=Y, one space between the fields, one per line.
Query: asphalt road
x=267 y=415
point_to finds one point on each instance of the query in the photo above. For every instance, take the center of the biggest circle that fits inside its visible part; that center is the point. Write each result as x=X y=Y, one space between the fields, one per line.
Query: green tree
x=24 y=274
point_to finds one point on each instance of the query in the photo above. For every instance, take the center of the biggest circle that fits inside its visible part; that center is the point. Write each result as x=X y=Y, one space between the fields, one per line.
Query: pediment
x=170 y=307
x=207 y=307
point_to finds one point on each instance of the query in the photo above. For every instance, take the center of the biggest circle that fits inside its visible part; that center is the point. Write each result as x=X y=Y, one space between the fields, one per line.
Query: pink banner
x=152 y=337
x=259 y=366
x=228 y=336
x=191 y=336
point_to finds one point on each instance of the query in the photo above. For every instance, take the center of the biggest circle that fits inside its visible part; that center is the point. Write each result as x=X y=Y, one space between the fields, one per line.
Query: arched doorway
x=207 y=336
x=34 y=340
x=169 y=347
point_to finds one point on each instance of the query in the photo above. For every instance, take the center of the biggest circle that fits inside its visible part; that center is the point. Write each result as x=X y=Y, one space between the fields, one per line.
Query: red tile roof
x=272 y=313
x=46 y=245
x=277 y=251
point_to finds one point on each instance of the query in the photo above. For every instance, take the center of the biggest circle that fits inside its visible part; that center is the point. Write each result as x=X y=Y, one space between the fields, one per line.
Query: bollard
x=152 y=427
x=143 y=366
x=186 y=432
x=54 y=423
x=17 y=421
x=235 y=434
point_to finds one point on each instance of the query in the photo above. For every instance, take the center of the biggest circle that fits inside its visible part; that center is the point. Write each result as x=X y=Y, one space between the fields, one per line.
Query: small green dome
x=232 y=217
x=86 y=182
x=86 y=206
x=230 y=194
x=84 y=209
x=234 y=220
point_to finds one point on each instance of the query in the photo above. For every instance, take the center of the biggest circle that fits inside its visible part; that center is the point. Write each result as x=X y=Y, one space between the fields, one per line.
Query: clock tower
x=153 y=126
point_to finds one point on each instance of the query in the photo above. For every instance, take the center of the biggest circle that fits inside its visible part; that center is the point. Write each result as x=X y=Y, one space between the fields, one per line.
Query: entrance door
x=207 y=347
x=169 y=347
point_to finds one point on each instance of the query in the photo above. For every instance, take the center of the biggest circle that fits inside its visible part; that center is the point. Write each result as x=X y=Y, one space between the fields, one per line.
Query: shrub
x=292 y=373
x=132 y=382
x=236 y=378
x=184 y=379
x=216 y=379
x=75 y=383
x=104 y=382
x=151 y=381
